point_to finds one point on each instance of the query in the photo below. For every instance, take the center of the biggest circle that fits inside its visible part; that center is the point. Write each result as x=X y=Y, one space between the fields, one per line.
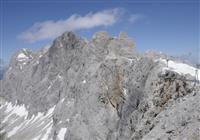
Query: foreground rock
x=98 y=89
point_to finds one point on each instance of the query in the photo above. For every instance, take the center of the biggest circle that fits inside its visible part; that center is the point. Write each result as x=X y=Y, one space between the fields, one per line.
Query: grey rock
x=100 y=89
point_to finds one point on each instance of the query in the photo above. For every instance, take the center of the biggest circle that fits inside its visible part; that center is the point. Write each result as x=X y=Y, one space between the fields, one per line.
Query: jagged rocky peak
x=45 y=49
x=101 y=36
x=22 y=57
x=123 y=35
x=114 y=46
x=65 y=43
x=100 y=45
x=97 y=89
x=70 y=40
x=122 y=40
x=66 y=39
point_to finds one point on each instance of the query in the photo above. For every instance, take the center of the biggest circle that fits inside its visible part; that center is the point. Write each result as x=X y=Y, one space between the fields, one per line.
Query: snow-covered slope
x=17 y=124
x=181 y=68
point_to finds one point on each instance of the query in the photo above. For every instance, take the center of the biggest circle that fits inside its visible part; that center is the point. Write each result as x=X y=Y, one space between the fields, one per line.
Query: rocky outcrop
x=97 y=89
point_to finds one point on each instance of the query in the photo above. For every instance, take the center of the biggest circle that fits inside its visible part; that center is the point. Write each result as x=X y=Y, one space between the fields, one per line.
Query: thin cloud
x=51 y=29
x=135 y=17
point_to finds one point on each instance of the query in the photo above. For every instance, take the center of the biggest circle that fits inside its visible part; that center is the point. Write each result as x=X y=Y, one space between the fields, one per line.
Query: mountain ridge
x=97 y=89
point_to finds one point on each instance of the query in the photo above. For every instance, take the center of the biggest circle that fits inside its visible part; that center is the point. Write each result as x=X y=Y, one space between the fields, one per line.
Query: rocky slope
x=100 y=89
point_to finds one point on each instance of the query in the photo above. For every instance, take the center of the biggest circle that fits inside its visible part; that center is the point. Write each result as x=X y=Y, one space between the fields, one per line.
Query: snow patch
x=19 y=112
x=22 y=57
x=50 y=111
x=59 y=76
x=15 y=109
x=61 y=45
x=62 y=100
x=50 y=85
x=48 y=131
x=37 y=62
x=61 y=134
x=125 y=92
x=14 y=130
x=67 y=120
x=130 y=60
x=181 y=68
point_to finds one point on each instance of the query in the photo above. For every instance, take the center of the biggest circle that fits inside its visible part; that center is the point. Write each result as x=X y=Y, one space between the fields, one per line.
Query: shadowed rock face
x=1 y=73
x=2 y=68
x=98 y=89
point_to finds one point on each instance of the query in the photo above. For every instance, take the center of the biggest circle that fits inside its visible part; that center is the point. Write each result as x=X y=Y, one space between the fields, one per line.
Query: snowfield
x=16 y=118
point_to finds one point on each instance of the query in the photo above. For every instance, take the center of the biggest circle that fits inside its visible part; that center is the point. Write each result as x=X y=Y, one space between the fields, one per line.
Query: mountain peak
x=104 y=85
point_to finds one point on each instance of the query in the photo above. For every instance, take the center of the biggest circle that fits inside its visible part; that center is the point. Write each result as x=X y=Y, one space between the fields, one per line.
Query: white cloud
x=135 y=17
x=51 y=29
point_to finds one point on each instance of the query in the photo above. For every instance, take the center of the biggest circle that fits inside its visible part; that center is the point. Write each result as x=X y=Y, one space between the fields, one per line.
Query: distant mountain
x=98 y=89
x=1 y=73
x=2 y=68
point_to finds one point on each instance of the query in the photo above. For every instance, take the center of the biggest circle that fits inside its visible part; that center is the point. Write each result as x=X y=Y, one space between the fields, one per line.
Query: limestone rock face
x=100 y=89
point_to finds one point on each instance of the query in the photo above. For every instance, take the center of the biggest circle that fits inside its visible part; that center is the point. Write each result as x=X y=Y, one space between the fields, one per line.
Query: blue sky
x=170 y=26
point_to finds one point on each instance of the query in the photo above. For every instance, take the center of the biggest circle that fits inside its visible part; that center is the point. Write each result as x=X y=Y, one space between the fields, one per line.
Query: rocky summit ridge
x=100 y=89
